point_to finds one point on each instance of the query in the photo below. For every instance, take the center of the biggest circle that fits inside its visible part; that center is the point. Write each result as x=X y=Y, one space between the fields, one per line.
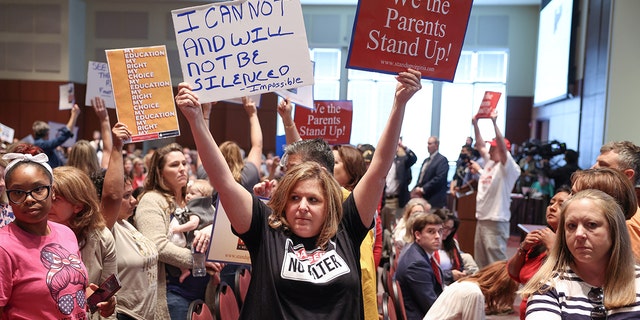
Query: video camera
x=545 y=151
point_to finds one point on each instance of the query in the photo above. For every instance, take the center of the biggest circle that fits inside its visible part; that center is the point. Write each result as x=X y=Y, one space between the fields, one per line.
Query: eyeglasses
x=599 y=312
x=19 y=196
x=65 y=302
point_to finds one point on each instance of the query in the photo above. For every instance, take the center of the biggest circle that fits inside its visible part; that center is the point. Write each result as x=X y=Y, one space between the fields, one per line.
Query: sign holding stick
x=330 y=120
x=99 y=84
x=243 y=47
x=390 y=36
x=489 y=104
x=143 y=93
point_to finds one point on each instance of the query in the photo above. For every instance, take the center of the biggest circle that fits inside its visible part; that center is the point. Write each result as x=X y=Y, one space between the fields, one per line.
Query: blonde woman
x=590 y=272
x=401 y=235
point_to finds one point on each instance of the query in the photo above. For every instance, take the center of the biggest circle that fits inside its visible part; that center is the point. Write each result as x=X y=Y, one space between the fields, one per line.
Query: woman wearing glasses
x=39 y=260
x=590 y=272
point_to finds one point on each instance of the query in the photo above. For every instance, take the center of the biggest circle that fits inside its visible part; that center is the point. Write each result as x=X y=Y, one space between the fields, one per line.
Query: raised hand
x=187 y=102
x=285 y=109
x=121 y=134
x=409 y=84
x=100 y=108
x=249 y=106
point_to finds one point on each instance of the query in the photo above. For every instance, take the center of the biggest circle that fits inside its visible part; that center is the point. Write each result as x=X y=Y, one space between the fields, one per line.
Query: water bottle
x=198 y=268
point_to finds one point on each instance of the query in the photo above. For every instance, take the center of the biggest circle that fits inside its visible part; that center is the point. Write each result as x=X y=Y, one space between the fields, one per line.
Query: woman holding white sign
x=304 y=244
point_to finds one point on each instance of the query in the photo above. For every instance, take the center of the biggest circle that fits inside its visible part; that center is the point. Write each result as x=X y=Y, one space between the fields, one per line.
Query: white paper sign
x=99 y=84
x=242 y=47
x=302 y=96
x=255 y=98
x=6 y=133
x=228 y=247
x=54 y=128
x=67 y=96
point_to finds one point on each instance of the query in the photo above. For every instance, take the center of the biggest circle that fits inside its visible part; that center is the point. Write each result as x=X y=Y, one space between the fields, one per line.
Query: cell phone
x=105 y=291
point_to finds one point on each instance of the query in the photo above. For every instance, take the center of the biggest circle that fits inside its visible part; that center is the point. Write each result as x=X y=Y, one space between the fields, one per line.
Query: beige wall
x=623 y=93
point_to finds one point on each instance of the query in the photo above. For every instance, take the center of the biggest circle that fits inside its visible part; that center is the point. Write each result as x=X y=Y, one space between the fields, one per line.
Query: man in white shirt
x=493 y=199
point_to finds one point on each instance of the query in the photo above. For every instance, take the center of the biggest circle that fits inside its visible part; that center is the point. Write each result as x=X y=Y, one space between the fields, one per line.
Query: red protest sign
x=330 y=120
x=390 y=36
x=488 y=105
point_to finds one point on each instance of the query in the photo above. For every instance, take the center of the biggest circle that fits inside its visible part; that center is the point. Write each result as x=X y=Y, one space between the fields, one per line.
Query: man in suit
x=396 y=189
x=418 y=272
x=432 y=182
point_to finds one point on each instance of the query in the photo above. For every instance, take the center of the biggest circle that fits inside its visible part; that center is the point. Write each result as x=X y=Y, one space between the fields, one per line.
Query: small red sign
x=329 y=120
x=390 y=36
x=488 y=105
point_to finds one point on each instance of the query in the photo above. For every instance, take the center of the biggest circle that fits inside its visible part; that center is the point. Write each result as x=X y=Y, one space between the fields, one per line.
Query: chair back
x=226 y=305
x=398 y=300
x=198 y=310
x=388 y=309
x=242 y=280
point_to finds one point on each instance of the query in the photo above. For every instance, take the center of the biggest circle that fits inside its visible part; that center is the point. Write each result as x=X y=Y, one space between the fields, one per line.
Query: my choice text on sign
x=143 y=92
x=243 y=47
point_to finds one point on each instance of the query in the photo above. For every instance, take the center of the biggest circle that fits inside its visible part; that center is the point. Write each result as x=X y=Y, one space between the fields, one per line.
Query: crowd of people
x=335 y=219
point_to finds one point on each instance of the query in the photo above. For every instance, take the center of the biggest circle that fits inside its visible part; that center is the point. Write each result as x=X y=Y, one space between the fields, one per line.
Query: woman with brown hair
x=76 y=205
x=304 y=245
x=164 y=192
x=84 y=157
x=489 y=291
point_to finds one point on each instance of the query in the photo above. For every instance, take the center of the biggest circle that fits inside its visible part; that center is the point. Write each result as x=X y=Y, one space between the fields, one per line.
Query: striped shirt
x=568 y=300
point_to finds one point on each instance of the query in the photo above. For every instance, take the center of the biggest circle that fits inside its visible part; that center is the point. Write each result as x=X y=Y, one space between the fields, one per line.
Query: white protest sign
x=255 y=98
x=242 y=47
x=99 y=84
x=67 y=96
x=54 y=131
x=302 y=96
x=6 y=133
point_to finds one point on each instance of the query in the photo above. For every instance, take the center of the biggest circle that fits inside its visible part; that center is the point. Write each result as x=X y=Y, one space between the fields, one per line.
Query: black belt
x=390 y=197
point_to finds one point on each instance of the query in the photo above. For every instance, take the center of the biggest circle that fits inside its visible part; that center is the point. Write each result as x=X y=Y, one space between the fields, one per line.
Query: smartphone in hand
x=104 y=292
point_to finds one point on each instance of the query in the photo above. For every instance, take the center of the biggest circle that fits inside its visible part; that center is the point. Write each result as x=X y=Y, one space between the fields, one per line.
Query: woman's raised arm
x=236 y=200
x=368 y=191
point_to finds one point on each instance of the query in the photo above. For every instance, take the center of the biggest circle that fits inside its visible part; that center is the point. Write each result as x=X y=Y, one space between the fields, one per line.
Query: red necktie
x=436 y=270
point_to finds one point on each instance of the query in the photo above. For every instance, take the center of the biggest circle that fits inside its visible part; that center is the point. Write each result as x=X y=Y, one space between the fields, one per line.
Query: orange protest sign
x=488 y=105
x=143 y=93
x=329 y=120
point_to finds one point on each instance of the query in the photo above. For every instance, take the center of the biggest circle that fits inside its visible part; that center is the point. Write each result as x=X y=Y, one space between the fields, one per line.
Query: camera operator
x=562 y=175
x=528 y=167
x=465 y=178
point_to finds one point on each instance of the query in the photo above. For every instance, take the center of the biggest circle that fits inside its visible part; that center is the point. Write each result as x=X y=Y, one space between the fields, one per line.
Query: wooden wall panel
x=23 y=102
x=517 y=128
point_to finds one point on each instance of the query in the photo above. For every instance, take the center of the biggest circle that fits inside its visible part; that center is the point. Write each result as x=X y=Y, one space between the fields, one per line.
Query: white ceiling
x=475 y=2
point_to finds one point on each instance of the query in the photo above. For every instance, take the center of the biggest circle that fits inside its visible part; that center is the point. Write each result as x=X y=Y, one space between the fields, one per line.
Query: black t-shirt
x=293 y=279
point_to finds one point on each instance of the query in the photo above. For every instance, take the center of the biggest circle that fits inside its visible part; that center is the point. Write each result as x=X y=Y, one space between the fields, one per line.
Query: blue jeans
x=178 y=306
